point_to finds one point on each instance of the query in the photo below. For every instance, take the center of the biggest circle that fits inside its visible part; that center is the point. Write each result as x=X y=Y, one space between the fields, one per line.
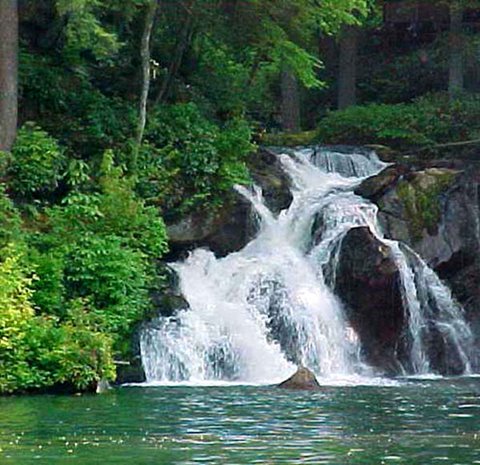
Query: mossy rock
x=420 y=195
x=284 y=139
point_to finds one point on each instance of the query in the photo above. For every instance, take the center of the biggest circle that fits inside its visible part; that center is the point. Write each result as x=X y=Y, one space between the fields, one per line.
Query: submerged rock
x=102 y=387
x=303 y=379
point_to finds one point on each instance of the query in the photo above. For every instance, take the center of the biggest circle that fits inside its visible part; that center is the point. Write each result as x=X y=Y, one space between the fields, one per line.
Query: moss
x=421 y=199
x=290 y=140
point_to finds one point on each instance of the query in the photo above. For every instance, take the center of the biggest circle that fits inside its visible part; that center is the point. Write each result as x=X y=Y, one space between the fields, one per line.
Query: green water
x=423 y=422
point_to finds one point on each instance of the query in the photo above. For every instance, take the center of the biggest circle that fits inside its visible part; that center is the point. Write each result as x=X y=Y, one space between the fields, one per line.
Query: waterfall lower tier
x=257 y=313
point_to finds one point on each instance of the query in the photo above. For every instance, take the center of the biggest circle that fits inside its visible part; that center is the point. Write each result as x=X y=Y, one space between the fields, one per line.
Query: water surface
x=414 y=422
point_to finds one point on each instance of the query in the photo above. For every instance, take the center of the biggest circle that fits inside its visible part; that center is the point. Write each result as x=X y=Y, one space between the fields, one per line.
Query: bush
x=37 y=161
x=10 y=221
x=112 y=278
x=67 y=104
x=99 y=247
x=427 y=121
x=39 y=352
x=199 y=160
x=392 y=125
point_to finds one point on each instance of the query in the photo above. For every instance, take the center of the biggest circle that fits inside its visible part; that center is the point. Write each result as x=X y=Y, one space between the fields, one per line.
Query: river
x=411 y=422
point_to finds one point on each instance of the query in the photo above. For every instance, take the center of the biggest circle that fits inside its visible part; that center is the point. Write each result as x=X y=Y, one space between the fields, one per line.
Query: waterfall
x=257 y=313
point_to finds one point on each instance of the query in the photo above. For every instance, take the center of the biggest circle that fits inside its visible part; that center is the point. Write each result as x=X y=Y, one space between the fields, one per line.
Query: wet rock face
x=375 y=187
x=435 y=209
x=267 y=172
x=303 y=380
x=234 y=225
x=224 y=231
x=368 y=282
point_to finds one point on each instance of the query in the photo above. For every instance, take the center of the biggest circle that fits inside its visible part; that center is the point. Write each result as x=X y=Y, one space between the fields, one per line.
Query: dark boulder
x=368 y=282
x=267 y=172
x=229 y=228
x=223 y=231
x=130 y=368
x=375 y=187
x=166 y=295
x=303 y=379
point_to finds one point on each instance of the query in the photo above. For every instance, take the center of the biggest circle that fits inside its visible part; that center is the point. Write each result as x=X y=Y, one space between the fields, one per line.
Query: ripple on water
x=407 y=422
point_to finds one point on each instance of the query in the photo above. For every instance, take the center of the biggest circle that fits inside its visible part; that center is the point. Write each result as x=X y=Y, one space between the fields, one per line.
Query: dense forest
x=117 y=118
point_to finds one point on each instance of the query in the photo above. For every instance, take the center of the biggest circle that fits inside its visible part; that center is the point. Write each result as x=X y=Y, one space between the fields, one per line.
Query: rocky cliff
x=435 y=209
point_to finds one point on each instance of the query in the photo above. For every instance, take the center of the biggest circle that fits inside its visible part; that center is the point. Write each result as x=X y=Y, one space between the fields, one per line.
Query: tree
x=180 y=48
x=290 y=101
x=8 y=73
x=145 y=56
x=347 y=72
x=456 y=65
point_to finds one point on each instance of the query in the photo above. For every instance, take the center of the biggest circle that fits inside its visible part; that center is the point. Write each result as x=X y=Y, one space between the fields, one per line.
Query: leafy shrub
x=427 y=121
x=37 y=161
x=111 y=277
x=200 y=160
x=16 y=312
x=10 y=221
x=372 y=124
x=39 y=352
x=114 y=210
x=99 y=247
x=71 y=108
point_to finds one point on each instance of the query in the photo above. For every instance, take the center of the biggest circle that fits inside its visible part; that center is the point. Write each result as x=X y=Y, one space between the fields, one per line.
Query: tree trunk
x=347 y=73
x=183 y=41
x=455 y=78
x=8 y=73
x=290 y=102
x=145 y=56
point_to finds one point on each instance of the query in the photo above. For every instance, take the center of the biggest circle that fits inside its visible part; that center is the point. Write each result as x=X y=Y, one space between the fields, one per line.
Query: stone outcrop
x=223 y=231
x=368 y=281
x=267 y=172
x=435 y=209
x=231 y=227
x=303 y=380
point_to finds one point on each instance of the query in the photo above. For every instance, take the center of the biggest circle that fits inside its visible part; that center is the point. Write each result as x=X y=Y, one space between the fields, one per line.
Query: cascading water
x=257 y=313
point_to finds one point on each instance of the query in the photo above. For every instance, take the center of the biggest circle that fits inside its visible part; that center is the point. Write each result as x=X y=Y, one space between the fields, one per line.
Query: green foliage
x=200 y=160
x=71 y=108
x=425 y=122
x=371 y=124
x=10 y=221
x=85 y=31
x=114 y=210
x=15 y=312
x=405 y=76
x=100 y=247
x=37 y=162
x=221 y=78
x=111 y=277
x=73 y=298
x=39 y=352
